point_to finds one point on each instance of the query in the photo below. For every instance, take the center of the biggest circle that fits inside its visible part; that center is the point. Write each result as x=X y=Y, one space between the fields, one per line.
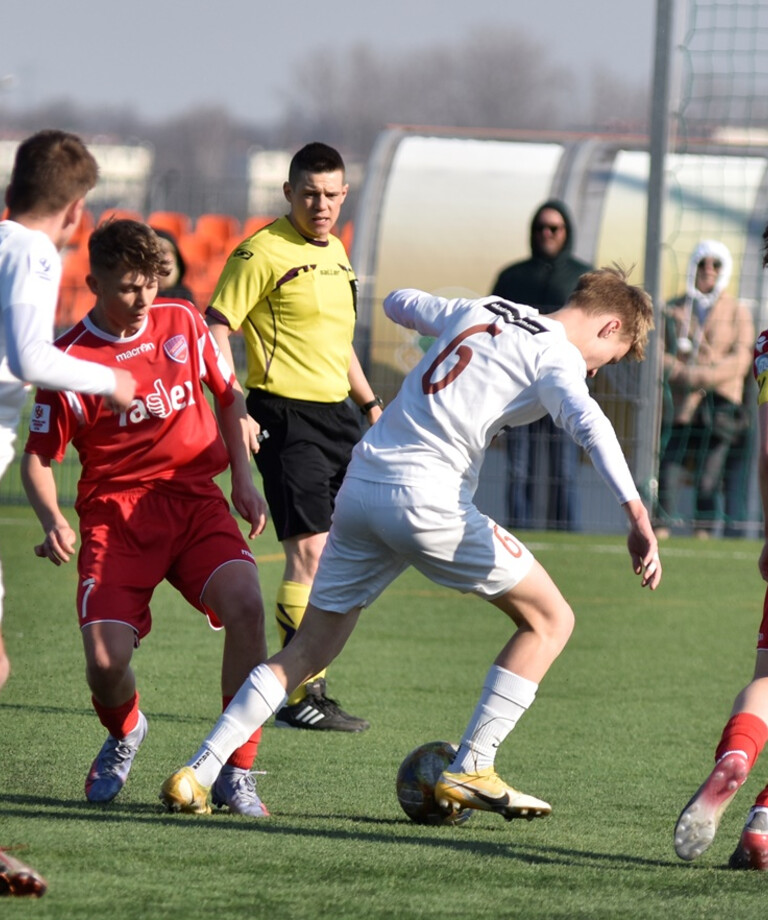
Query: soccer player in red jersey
x=746 y=731
x=148 y=506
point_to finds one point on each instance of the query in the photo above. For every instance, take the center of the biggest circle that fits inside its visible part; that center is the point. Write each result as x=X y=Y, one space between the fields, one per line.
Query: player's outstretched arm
x=40 y=486
x=125 y=390
x=642 y=545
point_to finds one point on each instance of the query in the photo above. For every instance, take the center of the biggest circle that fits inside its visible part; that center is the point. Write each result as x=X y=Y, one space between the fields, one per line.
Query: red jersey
x=168 y=439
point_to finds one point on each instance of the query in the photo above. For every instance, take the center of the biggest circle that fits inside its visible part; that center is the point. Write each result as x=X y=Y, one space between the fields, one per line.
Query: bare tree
x=490 y=79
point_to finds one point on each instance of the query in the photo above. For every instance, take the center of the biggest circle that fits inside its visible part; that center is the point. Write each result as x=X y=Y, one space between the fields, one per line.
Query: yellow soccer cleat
x=486 y=791
x=182 y=792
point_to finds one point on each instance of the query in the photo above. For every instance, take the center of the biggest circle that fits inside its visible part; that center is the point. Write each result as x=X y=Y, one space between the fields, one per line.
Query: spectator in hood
x=545 y=281
x=708 y=343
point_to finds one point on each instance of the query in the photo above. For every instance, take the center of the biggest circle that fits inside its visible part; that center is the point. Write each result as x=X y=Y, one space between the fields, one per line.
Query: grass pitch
x=622 y=733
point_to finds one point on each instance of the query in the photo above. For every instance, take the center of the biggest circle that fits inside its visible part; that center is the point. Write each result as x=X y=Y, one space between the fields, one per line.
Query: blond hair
x=606 y=290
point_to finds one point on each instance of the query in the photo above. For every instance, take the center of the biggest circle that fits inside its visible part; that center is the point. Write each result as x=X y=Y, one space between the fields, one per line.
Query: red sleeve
x=52 y=424
x=215 y=371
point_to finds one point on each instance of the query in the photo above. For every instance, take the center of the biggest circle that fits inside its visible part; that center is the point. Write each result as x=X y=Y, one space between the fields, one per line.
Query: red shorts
x=132 y=540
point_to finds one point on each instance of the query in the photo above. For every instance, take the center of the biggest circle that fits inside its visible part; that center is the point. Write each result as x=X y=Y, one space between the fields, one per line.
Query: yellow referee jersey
x=295 y=301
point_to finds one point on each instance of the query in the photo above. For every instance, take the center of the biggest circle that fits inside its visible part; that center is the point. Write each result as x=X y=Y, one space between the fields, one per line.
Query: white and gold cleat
x=486 y=791
x=182 y=792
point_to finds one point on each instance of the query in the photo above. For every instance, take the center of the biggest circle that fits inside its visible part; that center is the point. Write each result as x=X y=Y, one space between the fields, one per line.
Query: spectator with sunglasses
x=546 y=280
x=709 y=338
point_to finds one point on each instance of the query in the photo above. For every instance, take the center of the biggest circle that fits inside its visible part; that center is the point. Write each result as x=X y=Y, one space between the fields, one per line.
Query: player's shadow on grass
x=153 y=814
x=174 y=718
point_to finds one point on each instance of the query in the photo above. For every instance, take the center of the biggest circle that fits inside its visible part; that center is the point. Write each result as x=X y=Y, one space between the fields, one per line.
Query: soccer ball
x=416 y=780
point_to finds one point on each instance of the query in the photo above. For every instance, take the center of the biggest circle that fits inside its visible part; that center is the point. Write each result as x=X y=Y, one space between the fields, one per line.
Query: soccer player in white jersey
x=407 y=499
x=52 y=173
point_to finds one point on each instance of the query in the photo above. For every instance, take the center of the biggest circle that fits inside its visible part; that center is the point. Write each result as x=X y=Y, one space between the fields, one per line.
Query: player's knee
x=557 y=625
x=105 y=668
x=243 y=613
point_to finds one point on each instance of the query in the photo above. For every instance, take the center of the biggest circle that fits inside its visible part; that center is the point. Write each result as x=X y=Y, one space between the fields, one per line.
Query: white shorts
x=380 y=529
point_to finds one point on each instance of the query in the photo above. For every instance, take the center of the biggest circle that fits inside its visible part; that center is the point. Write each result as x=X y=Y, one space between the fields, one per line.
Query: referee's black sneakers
x=318 y=713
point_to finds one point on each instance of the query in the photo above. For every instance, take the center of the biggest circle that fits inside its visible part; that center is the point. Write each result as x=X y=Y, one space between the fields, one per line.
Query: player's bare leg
x=321 y=637
x=234 y=594
x=545 y=622
x=743 y=739
x=5 y=664
x=108 y=651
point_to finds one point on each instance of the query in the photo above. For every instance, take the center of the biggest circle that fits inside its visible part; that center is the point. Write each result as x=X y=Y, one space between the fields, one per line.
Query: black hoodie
x=541 y=281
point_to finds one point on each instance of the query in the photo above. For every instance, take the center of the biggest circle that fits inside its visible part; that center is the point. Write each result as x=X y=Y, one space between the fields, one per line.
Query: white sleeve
x=569 y=402
x=28 y=315
x=608 y=459
x=423 y=312
x=33 y=358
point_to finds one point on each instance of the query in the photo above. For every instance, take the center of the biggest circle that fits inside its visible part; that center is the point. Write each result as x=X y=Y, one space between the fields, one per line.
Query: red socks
x=743 y=732
x=120 y=720
x=244 y=756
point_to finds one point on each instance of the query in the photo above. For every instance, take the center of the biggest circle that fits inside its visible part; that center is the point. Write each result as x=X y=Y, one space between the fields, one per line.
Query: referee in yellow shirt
x=292 y=291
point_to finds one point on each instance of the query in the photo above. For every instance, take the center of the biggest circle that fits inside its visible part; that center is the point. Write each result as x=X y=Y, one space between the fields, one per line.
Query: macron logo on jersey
x=134 y=352
x=177 y=349
x=40 y=422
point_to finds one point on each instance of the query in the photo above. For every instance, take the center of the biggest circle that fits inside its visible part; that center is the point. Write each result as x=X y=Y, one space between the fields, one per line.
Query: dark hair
x=127 y=245
x=314 y=158
x=51 y=170
x=765 y=247
x=169 y=237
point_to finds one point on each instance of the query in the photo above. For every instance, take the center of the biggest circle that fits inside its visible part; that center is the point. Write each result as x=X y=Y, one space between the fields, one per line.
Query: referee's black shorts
x=303 y=461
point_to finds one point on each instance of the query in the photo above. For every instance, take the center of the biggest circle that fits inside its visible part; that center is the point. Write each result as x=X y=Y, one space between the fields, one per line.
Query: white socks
x=505 y=697
x=260 y=695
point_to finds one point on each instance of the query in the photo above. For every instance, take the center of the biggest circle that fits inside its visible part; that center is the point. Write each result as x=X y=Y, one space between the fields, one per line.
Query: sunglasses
x=715 y=263
x=551 y=228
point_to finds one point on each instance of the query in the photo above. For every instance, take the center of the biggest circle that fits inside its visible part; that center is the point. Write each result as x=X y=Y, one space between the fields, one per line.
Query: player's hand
x=251 y=506
x=644 y=551
x=59 y=544
x=254 y=430
x=125 y=390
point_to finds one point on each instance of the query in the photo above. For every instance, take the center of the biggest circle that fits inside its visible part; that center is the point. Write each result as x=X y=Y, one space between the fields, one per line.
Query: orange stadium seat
x=218 y=228
x=255 y=223
x=174 y=222
x=197 y=250
x=75 y=298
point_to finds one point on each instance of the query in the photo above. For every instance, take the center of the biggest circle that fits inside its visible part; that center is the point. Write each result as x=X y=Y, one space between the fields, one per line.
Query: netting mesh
x=725 y=79
x=716 y=184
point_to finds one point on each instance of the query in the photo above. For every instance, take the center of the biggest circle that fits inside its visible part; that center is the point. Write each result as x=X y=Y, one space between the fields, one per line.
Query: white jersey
x=30 y=272
x=494 y=365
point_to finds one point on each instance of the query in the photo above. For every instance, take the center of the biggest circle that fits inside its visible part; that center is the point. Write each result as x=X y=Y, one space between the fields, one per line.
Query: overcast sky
x=163 y=57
